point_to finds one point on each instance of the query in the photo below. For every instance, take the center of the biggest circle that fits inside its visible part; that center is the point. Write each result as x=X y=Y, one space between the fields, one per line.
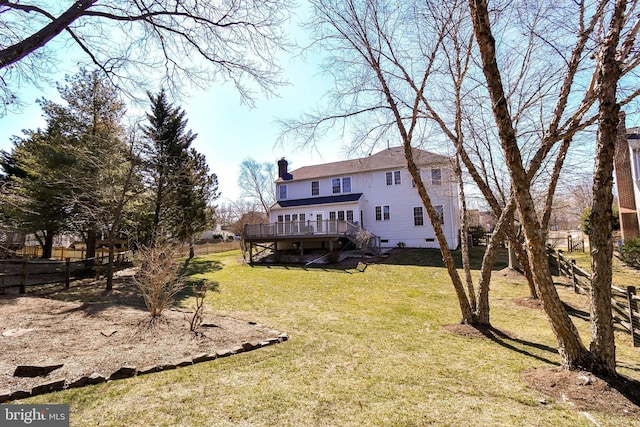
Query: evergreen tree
x=177 y=175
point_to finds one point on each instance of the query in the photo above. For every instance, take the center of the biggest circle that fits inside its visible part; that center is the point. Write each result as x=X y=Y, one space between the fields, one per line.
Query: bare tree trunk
x=464 y=242
x=47 y=247
x=573 y=353
x=601 y=244
x=91 y=243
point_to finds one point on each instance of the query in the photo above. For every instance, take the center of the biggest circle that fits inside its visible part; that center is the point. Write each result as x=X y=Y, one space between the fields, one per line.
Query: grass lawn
x=365 y=349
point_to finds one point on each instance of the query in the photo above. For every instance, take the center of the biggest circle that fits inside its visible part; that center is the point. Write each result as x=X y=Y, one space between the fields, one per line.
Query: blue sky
x=228 y=132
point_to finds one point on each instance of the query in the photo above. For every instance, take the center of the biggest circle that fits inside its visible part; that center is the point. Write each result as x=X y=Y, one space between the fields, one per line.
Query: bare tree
x=188 y=41
x=256 y=181
x=605 y=76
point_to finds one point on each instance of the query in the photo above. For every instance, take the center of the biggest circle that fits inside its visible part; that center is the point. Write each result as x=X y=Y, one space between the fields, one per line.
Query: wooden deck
x=267 y=236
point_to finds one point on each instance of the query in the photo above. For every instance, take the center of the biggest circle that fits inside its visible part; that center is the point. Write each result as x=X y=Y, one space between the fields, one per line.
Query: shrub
x=160 y=276
x=630 y=252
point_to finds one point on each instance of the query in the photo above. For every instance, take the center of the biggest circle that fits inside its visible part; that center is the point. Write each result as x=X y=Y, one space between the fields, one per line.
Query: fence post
x=573 y=276
x=633 y=306
x=67 y=276
x=23 y=276
x=558 y=259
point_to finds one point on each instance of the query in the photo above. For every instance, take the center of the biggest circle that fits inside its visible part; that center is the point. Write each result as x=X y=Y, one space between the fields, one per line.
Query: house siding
x=401 y=198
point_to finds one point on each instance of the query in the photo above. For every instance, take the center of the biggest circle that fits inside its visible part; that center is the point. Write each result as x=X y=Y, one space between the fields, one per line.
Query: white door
x=318 y=217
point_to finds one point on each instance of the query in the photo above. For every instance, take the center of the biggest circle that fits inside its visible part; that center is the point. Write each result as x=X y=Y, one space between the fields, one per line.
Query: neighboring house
x=325 y=204
x=627 y=176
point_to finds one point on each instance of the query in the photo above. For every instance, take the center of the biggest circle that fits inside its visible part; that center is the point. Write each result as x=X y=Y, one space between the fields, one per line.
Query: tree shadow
x=433 y=258
x=193 y=266
x=505 y=340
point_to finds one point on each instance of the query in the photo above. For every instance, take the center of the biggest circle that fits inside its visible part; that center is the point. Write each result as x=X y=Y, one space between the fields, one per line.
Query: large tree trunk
x=91 y=244
x=47 y=246
x=573 y=353
x=601 y=244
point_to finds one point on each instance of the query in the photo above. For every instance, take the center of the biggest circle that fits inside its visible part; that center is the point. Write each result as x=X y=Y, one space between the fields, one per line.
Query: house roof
x=342 y=198
x=390 y=158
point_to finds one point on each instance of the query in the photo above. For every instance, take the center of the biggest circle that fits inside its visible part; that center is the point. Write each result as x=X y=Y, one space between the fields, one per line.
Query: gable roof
x=391 y=158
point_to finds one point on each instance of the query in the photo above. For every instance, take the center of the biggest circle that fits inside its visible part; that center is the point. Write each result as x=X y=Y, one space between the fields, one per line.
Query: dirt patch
x=529 y=302
x=616 y=395
x=477 y=331
x=95 y=333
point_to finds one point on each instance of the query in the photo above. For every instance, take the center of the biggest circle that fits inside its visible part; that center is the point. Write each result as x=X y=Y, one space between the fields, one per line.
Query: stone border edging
x=131 y=371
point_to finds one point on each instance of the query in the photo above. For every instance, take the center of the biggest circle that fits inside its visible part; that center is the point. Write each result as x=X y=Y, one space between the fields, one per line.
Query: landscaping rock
x=5 y=395
x=204 y=357
x=48 y=387
x=184 y=362
x=248 y=346
x=223 y=353
x=31 y=371
x=149 y=370
x=283 y=337
x=94 y=378
x=238 y=349
x=19 y=394
x=124 y=372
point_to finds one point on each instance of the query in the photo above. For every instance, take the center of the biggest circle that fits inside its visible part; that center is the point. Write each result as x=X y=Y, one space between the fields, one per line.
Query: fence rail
x=624 y=302
x=25 y=272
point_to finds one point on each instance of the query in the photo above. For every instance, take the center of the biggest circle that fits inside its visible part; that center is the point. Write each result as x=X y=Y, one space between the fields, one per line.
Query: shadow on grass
x=506 y=340
x=94 y=298
x=341 y=267
x=433 y=258
x=193 y=266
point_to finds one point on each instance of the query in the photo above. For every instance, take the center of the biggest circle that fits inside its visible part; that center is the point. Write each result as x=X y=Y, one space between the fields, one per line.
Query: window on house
x=386 y=213
x=436 y=176
x=350 y=216
x=378 y=213
x=315 y=188
x=335 y=185
x=439 y=213
x=341 y=215
x=393 y=178
x=282 y=191
x=302 y=217
x=418 y=216
x=280 y=218
x=346 y=185
x=332 y=215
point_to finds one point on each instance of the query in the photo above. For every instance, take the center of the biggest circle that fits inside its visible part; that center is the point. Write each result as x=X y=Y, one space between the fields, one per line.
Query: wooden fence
x=624 y=302
x=25 y=272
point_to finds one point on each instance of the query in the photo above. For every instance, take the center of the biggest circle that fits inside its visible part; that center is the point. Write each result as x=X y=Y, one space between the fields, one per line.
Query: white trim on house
x=368 y=179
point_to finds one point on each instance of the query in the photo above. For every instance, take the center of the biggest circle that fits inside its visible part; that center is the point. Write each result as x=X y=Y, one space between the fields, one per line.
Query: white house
x=375 y=193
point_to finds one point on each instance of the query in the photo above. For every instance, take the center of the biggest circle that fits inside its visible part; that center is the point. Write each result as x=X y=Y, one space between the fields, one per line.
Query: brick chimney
x=282 y=167
x=283 y=171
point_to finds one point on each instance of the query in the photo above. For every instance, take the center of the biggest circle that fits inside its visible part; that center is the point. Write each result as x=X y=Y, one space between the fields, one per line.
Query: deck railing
x=310 y=228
